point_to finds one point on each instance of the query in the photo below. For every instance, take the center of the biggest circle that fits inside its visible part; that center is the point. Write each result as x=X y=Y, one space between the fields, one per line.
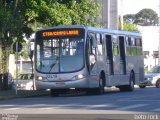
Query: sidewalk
x=8 y=94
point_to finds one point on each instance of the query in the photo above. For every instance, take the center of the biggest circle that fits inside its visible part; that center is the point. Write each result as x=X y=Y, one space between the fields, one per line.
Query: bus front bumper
x=81 y=83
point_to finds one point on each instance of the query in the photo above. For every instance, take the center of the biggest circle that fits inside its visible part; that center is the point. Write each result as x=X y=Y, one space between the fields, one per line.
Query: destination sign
x=60 y=33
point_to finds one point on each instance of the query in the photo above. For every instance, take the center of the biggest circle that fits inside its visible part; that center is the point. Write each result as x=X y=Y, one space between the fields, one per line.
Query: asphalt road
x=129 y=104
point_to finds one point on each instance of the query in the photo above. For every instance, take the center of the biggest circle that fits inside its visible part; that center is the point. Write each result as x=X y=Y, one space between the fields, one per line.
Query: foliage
x=6 y=26
x=44 y=13
x=128 y=26
x=60 y=12
x=145 y=17
x=129 y=18
x=19 y=17
x=27 y=16
x=24 y=51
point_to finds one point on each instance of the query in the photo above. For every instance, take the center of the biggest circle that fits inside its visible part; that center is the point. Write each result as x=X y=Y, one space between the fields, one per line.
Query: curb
x=10 y=94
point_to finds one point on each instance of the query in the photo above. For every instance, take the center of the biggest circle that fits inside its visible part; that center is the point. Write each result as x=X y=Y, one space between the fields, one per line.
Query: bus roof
x=98 y=29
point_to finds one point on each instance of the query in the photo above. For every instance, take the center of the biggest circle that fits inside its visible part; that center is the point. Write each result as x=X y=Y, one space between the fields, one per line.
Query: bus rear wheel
x=129 y=87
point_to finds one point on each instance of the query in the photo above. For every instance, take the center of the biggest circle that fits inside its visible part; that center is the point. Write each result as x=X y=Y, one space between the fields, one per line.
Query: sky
x=134 y=6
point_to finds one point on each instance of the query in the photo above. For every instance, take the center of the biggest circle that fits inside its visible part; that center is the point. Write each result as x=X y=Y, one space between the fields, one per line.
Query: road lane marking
x=138 y=97
x=47 y=108
x=156 y=110
x=8 y=109
x=99 y=106
x=83 y=105
x=6 y=105
x=78 y=106
x=131 y=106
x=102 y=105
x=141 y=100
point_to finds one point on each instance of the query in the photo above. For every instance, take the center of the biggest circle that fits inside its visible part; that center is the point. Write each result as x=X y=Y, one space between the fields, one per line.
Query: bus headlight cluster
x=80 y=76
x=39 y=78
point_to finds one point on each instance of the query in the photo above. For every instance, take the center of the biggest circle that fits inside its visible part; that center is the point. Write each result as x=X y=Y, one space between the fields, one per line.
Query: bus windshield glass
x=56 y=54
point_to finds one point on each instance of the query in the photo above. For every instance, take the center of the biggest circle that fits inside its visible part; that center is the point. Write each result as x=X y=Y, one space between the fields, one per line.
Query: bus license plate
x=60 y=84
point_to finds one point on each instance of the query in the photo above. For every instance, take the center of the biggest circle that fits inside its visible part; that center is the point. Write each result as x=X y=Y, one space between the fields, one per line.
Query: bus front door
x=122 y=55
x=109 y=51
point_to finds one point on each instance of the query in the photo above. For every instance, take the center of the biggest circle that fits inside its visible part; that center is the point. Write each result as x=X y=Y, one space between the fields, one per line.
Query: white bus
x=87 y=58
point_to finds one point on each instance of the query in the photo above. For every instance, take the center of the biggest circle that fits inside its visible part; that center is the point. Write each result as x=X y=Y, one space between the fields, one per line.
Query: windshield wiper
x=53 y=64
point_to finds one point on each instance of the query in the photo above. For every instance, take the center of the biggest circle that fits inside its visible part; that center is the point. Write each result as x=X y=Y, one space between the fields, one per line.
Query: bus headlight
x=80 y=76
x=39 y=78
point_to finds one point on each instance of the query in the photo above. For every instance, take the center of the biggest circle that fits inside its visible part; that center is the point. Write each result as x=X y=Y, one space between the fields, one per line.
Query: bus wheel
x=101 y=86
x=158 y=84
x=99 y=90
x=129 y=87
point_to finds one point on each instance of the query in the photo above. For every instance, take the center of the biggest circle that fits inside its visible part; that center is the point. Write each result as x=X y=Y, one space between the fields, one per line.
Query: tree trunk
x=4 y=56
x=0 y=56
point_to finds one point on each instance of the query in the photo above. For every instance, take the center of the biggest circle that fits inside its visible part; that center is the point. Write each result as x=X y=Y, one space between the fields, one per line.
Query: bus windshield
x=56 y=55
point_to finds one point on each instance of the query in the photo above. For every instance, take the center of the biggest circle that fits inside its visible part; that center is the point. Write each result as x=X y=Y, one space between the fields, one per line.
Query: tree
x=60 y=12
x=7 y=30
x=18 y=17
x=145 y=17
x=129 y=18
x=128 y=24
x=130 y=27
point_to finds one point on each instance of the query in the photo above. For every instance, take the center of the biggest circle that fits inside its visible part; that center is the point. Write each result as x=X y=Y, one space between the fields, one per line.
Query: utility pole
x=108 y=13
x=121 y=15
x=159 y=36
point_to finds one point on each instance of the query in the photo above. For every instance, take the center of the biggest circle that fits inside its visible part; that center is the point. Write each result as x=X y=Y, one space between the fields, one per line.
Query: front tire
x=158 y=83
x=99 y=90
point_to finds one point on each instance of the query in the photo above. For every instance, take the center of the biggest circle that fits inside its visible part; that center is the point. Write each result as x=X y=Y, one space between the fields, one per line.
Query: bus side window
x=99 y=44
x=139 y=46
x=129 y=41
x=92 y=44
x=115 y=45
x=128 y=46
x=133 y=47
x=91 y=49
